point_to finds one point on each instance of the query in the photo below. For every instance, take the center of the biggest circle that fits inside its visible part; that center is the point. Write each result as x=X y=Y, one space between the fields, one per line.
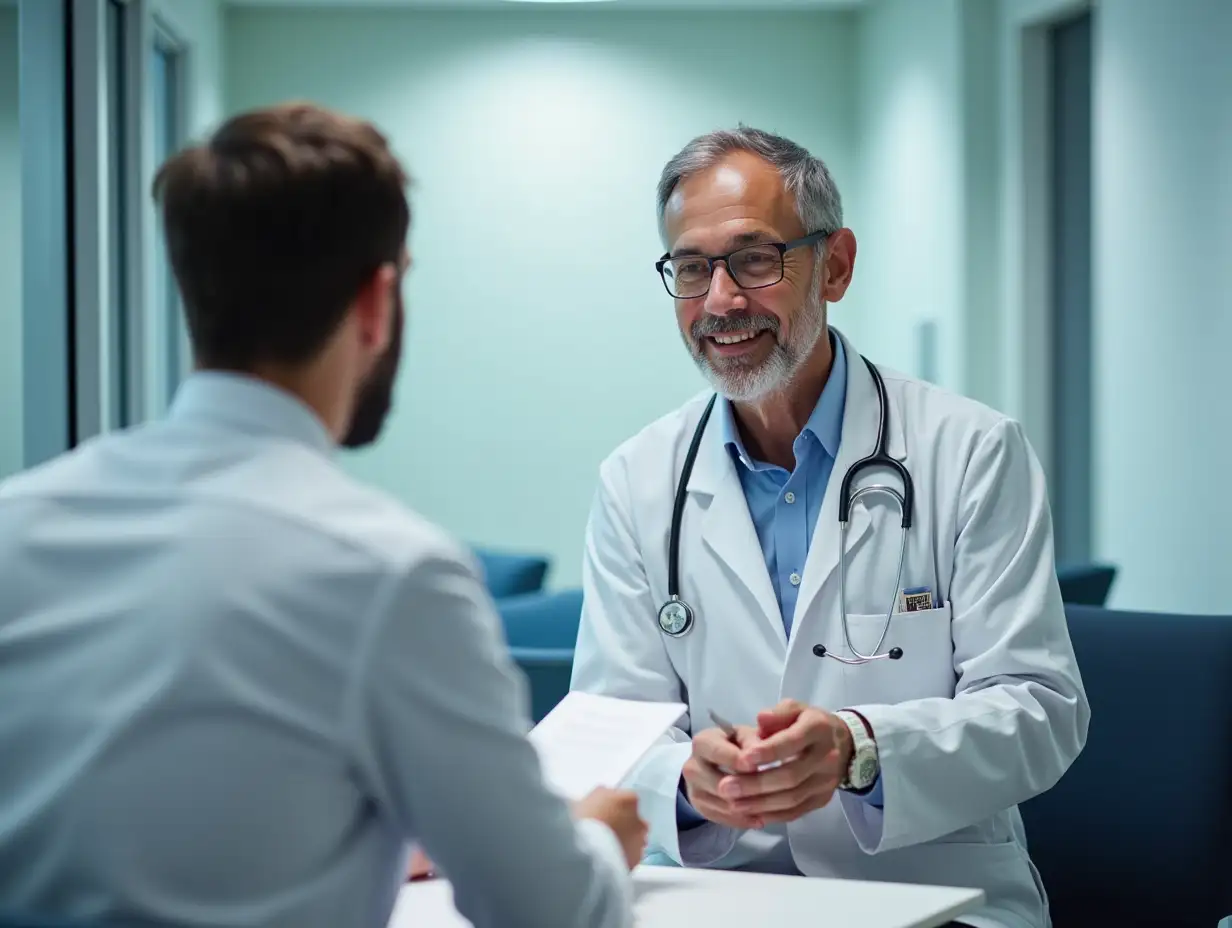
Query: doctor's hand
x=713 y=760
x=811 y=750
x=617 y=809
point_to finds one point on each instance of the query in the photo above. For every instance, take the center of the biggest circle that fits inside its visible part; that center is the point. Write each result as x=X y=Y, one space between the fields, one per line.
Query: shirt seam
x=349 y=711
x=257 y=507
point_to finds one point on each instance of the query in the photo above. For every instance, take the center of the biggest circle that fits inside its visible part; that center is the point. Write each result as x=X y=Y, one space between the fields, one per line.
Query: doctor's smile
x=748 y=339
x=738 y=345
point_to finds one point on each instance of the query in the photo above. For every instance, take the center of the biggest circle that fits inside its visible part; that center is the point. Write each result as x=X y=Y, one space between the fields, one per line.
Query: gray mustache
x=727 y=325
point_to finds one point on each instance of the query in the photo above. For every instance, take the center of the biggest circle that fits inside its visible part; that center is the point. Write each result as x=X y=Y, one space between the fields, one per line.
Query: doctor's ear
x=840 y=264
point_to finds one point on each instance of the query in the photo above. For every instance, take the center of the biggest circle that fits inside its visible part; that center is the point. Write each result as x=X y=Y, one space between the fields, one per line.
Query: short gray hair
x=818 y=202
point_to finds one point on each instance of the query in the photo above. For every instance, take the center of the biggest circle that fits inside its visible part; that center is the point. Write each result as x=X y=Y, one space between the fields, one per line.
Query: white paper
x=589 y=741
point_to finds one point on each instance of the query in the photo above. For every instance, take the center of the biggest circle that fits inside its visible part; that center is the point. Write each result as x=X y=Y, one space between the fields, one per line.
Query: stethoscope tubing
x=676 y=618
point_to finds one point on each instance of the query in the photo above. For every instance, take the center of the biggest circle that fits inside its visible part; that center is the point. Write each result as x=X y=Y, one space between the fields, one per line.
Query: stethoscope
x=676 y=617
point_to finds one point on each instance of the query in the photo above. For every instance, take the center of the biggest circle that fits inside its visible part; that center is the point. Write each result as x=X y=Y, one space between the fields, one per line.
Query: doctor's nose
x=724 y=296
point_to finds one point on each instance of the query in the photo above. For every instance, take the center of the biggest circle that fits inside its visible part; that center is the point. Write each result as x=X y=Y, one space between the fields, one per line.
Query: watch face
x=866 y=771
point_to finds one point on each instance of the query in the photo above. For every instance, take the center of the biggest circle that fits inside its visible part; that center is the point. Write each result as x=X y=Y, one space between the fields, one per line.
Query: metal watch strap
x=863 y=754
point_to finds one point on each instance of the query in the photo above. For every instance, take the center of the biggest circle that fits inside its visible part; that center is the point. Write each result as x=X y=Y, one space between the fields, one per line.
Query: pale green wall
x=910 y=120
x=928 y=164
x=10 y=251
x=1163 y=301
x=540 y=336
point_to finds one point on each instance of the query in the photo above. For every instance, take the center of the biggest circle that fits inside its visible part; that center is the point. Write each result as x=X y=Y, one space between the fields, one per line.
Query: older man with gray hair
x=854 y=566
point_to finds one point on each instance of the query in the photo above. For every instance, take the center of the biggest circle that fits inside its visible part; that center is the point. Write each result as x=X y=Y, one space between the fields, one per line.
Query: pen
x=728 y=728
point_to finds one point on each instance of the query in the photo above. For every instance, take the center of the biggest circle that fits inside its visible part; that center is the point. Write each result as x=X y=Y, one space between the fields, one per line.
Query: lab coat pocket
x=926 y=667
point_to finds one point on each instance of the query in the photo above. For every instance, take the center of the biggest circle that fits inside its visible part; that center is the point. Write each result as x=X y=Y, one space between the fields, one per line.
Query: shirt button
x=795 y=579
x=789 y=497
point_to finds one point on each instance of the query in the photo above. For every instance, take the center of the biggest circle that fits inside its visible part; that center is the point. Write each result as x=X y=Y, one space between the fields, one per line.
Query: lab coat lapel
x=727 y=527
x=859 y=438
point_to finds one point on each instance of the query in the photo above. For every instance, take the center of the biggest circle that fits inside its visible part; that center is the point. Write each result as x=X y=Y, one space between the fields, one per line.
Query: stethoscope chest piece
x=675 y=618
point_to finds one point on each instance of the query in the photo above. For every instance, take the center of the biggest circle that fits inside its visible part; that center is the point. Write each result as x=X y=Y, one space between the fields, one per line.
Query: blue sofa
x=1139 y=831
x=509 y=574
x=1086 y=584
x=541 y=629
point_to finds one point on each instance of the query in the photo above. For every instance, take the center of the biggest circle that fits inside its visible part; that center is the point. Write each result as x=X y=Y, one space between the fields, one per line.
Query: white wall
x=928 y=182
x=1163 y=305
x=908 y=268
x=951 y=226
x=1162 y=316
x=11 y=417
x=536 y=139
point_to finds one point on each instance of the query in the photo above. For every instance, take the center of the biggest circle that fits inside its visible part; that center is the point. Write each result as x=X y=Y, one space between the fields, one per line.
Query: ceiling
x=747 y=5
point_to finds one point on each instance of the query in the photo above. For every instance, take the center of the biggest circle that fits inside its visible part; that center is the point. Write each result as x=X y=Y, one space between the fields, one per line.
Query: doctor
x=895 y=696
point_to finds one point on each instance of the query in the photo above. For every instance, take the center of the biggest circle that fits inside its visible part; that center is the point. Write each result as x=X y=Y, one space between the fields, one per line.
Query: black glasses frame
x=712 y=260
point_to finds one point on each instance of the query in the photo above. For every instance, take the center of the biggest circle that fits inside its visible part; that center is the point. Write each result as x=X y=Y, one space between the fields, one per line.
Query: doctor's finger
x=714 y=809
x=813 y=793
x=809 y=732
x=713 y=746
x=784 y=715
x=786 y=777
x=701 y=776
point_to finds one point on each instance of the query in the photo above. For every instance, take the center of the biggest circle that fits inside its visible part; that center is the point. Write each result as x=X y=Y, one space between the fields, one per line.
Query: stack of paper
x=589 y=741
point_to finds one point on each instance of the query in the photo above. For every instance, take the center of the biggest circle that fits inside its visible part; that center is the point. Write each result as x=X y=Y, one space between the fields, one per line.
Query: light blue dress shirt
x=784 y=505
x=235 y=683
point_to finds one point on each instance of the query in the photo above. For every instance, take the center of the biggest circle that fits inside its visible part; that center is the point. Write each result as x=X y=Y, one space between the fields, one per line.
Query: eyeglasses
x=752 y=267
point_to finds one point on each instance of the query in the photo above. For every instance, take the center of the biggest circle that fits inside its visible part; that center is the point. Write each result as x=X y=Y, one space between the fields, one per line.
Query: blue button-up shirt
x=785 y=505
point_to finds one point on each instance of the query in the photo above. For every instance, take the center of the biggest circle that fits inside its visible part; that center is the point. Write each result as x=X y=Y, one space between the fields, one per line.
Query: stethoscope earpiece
x=894 y=654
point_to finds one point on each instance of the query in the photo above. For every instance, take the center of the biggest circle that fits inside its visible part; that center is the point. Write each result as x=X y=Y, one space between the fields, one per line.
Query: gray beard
x=740 y=381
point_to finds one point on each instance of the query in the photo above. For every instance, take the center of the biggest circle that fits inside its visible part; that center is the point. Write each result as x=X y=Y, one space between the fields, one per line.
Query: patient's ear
x=373 y=308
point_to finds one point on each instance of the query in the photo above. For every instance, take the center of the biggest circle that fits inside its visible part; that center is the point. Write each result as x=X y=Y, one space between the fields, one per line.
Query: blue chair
x=508 y=574
x=542 y=620
x=1139 y=831
x=1086 y=584
x=541 y=629
x=548 y=671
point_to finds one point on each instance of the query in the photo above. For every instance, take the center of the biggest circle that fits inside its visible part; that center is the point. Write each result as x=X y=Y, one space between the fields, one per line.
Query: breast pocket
x=926 y=667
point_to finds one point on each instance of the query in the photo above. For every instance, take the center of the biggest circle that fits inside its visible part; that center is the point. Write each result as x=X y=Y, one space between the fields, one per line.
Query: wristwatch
x=864 y=768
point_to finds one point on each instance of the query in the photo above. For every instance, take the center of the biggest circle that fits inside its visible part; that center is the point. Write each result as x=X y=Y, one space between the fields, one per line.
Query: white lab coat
x=986 y=707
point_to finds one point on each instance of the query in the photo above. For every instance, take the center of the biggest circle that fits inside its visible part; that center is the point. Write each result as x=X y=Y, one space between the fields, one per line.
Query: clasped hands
x=809 y=748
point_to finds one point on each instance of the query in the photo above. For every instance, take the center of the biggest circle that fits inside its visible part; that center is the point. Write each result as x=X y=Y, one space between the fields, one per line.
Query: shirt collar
x=249 y=405
x=825 y=423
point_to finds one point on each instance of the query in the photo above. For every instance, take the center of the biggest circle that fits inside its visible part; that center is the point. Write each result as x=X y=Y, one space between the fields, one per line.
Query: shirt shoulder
x=286 y=485
x=358 y=515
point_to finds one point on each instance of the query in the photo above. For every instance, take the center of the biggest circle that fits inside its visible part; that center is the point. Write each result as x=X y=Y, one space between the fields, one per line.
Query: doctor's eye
x=757 y=265
x=690 y=268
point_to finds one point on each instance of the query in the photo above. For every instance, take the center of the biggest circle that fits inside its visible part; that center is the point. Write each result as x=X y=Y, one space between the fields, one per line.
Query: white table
x=670 y=896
